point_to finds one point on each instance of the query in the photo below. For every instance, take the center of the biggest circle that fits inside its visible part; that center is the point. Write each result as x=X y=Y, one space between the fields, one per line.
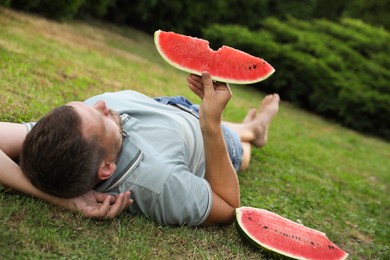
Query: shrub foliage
x=189 y=16
x=62 y=9
x=339 y=70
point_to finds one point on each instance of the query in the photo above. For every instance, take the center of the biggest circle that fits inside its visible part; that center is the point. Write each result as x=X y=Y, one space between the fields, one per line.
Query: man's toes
x=250 y=116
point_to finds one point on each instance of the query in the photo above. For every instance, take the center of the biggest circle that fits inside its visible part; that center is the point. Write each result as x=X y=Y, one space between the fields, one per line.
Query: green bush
x=6 y=3
x=185 y=16
x=302 y=9
x=25 y=5
x=189 y=16
x=329 y=68
x=94 y=8
x=58 y=9
x=374 y=11
x=62 y=9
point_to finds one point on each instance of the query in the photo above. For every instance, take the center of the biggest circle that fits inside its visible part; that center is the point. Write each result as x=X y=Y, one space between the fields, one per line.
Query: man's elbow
x=226 y=221
x=220 y=217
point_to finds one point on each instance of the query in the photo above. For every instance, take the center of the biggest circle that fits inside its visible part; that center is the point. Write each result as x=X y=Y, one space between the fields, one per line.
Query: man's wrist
x=211 y=129
x=61 y=202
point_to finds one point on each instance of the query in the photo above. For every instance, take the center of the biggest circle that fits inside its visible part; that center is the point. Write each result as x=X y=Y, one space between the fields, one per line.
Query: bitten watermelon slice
x=194 y=55
x=267 y=230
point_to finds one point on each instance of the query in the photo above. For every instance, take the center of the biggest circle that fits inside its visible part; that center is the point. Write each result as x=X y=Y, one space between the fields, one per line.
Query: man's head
x=72 y=148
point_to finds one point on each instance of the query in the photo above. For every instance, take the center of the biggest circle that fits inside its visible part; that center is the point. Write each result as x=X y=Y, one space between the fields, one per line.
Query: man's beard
x=117 y=120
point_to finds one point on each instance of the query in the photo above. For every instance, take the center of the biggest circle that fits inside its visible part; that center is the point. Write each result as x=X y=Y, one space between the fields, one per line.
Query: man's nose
x=102 y=107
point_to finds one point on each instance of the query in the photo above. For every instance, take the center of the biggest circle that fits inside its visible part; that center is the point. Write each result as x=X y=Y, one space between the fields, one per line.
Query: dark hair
x=57 y=159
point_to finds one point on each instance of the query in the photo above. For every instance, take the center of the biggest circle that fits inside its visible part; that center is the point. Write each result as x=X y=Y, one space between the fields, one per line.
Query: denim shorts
x=232 y=140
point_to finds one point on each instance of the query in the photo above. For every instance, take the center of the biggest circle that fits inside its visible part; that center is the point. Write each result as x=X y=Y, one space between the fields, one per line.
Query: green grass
x=313 y=171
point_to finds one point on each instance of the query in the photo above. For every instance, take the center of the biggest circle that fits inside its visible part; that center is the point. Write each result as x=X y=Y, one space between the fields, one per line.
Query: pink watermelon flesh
x=275 y=233
x=194 y=55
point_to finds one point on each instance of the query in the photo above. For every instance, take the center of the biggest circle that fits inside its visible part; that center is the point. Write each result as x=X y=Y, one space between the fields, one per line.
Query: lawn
x=312 y=170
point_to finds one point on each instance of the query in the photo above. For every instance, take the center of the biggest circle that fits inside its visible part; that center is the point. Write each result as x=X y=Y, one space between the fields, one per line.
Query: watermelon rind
x=258 y=247
x=169 y=61
x=251 y=241
x=265 y=248
x=225 y=79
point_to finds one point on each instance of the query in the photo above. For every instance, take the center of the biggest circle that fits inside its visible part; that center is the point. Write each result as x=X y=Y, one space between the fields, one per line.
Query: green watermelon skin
x=255 y=245
x=281 y=237
x=194 y=55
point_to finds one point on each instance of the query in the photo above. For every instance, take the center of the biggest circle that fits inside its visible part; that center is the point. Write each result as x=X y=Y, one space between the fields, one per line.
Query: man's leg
x=246 y=155
x=254 y=128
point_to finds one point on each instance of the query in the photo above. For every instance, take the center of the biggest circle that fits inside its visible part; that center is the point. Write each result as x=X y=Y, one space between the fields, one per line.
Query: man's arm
x=92 y=204
x=220 y=172
x=12 y=136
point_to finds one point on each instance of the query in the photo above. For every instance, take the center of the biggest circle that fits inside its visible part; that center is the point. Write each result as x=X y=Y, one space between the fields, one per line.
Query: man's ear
x=106 y=169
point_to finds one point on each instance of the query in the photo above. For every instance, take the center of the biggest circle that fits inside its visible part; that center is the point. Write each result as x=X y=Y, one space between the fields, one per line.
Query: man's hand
x=99 y=205
x=214 y=95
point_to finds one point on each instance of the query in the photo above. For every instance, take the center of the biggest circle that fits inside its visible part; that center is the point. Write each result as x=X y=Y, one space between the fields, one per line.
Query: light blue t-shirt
x=162 y=160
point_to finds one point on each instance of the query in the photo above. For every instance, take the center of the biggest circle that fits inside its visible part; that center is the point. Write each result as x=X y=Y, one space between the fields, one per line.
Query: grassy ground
x=313 y=171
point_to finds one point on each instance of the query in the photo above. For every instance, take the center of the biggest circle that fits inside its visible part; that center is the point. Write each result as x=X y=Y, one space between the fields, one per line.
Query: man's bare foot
x=268 y=109
x=250 y=116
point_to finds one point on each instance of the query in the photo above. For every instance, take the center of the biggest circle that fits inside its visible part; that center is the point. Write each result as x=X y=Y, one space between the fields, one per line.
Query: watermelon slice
x=194 y=55
x=269 y=231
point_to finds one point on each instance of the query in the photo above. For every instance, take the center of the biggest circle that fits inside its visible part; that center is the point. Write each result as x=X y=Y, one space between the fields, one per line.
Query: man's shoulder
x=123 y=94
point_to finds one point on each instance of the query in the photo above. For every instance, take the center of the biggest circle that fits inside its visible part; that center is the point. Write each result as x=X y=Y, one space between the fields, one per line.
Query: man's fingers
x=111 y=206
x=101 y=197
x=122 y=202
x=207 y=82
x=105 y=207
x=196 y=85
x=196 y=90
x=195 y=79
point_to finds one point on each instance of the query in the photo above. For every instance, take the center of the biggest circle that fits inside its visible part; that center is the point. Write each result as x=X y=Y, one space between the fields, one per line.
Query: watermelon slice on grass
x=194 y=55
x=272 y=233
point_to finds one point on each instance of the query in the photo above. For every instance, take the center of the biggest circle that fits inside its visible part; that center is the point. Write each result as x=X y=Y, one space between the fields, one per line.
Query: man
x=178 y=162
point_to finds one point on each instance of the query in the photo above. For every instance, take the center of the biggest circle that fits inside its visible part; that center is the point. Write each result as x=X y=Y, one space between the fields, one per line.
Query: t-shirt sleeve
x=29 y=126
x=186 y=199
